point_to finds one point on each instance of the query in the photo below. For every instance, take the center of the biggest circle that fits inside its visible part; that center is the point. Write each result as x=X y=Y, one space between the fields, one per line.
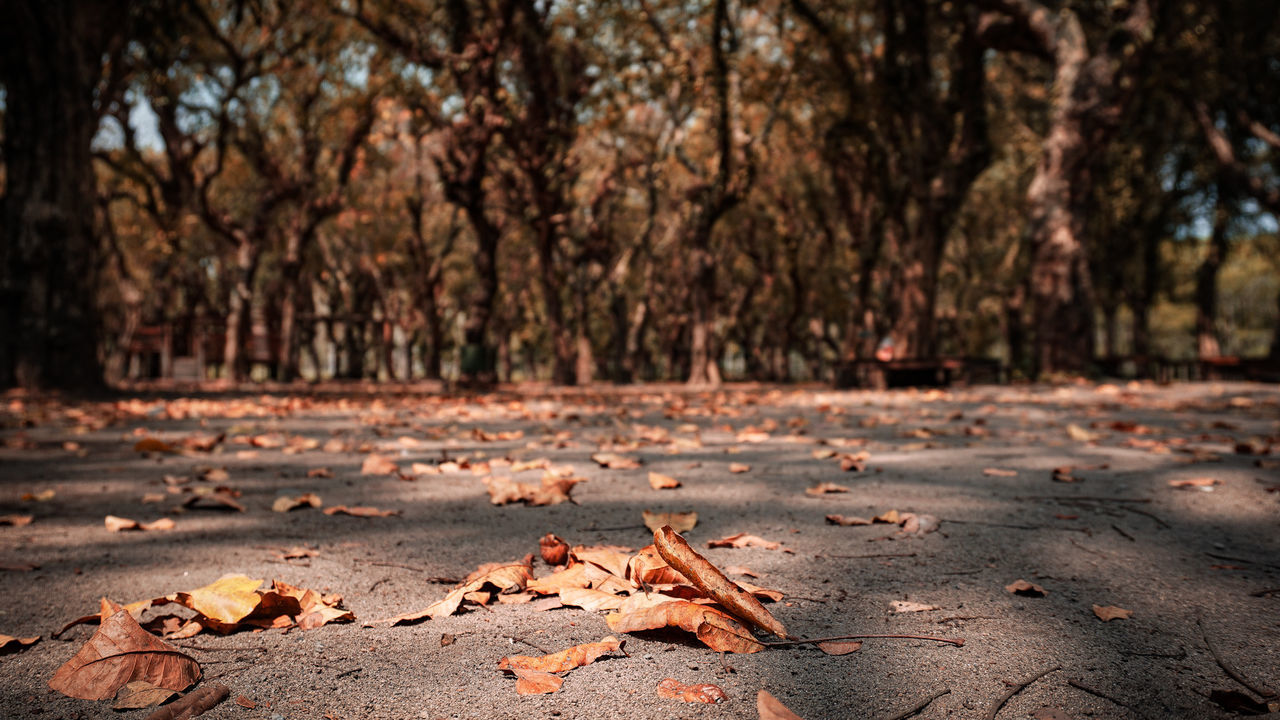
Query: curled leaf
x=1107 y=613
x=10 y=644
x=658 y=481
x=285 y=503
x=536 y=682
x=769 y=707
x=359 y=511
x=742 y=540
x=567 y=659
x=1025 y=589
x=675 y=690
x=118 y=653
x=554 y=550
x=678 y=521
x=140 y=694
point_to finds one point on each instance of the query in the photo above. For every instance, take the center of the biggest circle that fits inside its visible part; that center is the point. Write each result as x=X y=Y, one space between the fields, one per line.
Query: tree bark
x=238 y=303
x=1207 y=340
x=51 y=61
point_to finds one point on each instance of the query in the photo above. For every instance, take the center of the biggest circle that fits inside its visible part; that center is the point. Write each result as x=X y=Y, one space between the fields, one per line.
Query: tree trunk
x=1207 y=341
x=246 y=267
x=51 y=61
x=290 y=271
x=703 y=370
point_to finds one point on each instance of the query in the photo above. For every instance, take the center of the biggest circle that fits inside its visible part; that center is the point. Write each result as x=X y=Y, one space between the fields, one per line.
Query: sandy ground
x=1176 y=556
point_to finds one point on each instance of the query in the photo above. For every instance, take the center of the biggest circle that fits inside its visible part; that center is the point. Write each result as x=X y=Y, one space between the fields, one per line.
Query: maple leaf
x=708 y=578
x=118 y=653
x=565 y=660
x=675 y=690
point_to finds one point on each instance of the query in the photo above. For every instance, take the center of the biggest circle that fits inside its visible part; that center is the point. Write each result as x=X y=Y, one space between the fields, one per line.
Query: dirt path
x=1120 y=535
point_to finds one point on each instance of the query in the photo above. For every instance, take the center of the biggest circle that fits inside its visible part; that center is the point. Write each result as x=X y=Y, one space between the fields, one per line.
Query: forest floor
x=1072 y=489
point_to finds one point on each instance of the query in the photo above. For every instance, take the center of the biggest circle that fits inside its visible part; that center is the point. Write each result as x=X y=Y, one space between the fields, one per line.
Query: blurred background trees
x=634 y=190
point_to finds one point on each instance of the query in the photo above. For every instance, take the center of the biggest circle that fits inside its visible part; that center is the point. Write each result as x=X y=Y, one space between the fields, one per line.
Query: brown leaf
x=568 y=659
x=715 y=628
x=854 y=462
x=219 y=497
x=554 y=550
x=999 y=472
x=889 y=518
x=590 y=599
x=840 y=647
x=140 y=694
x=245 y=702
x=707 y=578
x=120 y=652
x=194 y=703
x=15 y=520
x=675 y=690
x=679 y=521
x=918 y=525
x=360 y=511
x=614 y=461
x=18 y=567
x=536 y=682
x=658 y=481
x=825 y=488
x=906 y=606
x=285 y=503
x=508 y=578
x=847 y=520
x=1025 y=589
x=769 y=708
x=1107 y=613
x=552 y=491
x=1079 y=434
x=10 y=644
x=742 y=540
x=116 y=524
x=375 y=464
x=1200 y=483
x=736 y=468
x=154 y=445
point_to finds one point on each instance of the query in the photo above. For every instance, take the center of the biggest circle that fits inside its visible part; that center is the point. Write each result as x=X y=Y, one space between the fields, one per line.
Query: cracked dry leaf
x=10 y=644
x=769 y=707
x=708 y=578
x=673 y=689
x=285 y=503
x=362 y=511
x=508 y=578
x=1106 y=613
x=140 y=694
x=565 y=660
x=552 y=491
x=658 y=481
x=716 y=629
x=614 y=461
x=679 y=521
x=847 y=520
x=1025 y=589
x=840 y=647
x=536 y=682
x=118 y=653
x=742 y=540
x=375 y=464
x=826 y=488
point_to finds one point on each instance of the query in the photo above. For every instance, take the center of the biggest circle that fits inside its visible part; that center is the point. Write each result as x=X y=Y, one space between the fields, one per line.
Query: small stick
x=958 y=642
x=375 y=585
x=387 y=563
x=1094 y=552
x=1094 y=691
x=963 y=572
x=193 y=703
x=1017 y=688
x=1122 y=532
x=1231 y=670
x=526 y=642
x=993 y=524
x=352 y=671
x=918 y=707
x=1153 y=516
x=1216 y=556
x=870 y=555
x=954 y=618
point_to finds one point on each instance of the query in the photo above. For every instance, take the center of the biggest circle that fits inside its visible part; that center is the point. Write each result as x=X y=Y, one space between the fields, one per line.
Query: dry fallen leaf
x=770 y=708
x=536 y=682
x=375 y=464
x=359 y=511
x=840 y=647
x=707 y=578
x=739 y=467
x=824 y=488
x=1107 y=613
x=507 y=578
x=675 y=690
x=906 y=606
x=10 y=644
x=195 y=703
x=554 y=550
x=118 y=653
x=552 y=491
x=140 y=694
x=1025 y=589
x=245 y=702
x=679 y=521
x=116 y=524
x=742 y=540
x=854 y=462
x=1079 y=434
x=891 y=517
x=658 y=481
x=614 y=461
x=847 y=520
x=1200 y=483
x=565 y=660
x=285 y=503
x=150 y=444
x=718 y=630
x=918 y=525
x=999 y=472
x=15 y=520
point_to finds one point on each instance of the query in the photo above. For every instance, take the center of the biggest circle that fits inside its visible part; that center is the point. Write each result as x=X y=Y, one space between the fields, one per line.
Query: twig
x=963 y=572
x=954 y=618
x=375 y=585
x=1216 y=556
x=1088 y=550
x=513 y=638
x=870 y=555
x=1122 y=532
x=958 y=642
x=352 y=671
x=1017 y=688
x=1153 y=516
x=1094 y=691
x=387 y=563
x=193 y=703
x=1231 y=670
x=918 y=707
